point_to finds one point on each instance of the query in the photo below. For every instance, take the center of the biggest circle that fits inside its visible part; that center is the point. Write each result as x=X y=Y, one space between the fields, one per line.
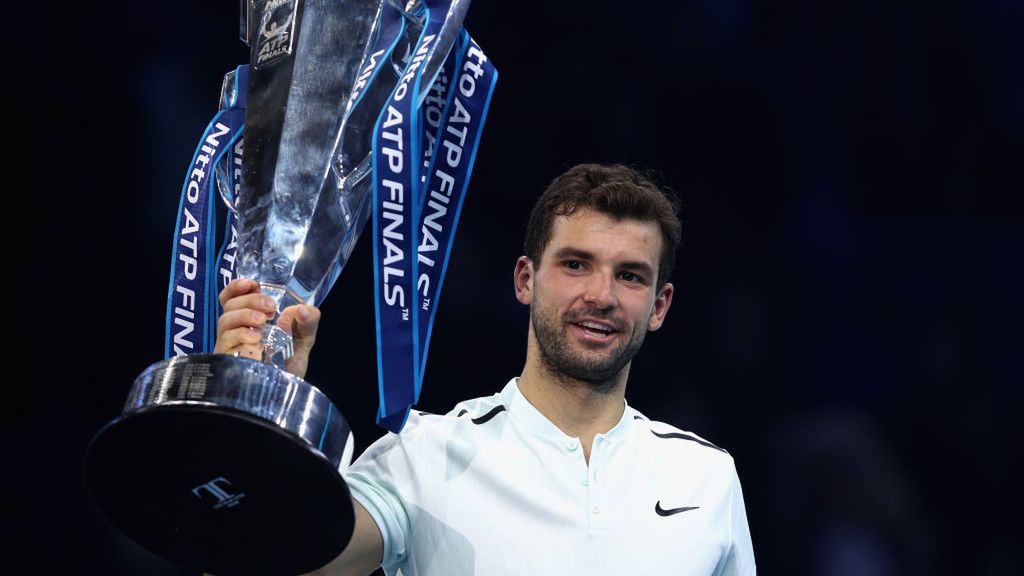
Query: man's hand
x=246 y=311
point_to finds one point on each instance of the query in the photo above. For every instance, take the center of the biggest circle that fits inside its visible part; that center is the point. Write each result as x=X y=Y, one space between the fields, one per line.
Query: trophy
x=231 y=465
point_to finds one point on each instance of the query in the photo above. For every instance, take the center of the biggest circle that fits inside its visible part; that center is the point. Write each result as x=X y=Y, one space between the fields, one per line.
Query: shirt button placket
x=594 y=511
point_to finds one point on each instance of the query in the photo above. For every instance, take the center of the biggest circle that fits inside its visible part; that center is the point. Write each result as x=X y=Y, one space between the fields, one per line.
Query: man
x=555 y=474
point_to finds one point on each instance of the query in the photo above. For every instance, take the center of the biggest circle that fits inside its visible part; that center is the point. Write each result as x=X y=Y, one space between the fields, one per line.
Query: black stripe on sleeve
x=682 y=436
x=494 y=412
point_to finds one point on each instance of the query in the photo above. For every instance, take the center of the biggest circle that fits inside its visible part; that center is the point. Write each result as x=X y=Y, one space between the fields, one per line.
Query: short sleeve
x=739 y=558
x=381 y=480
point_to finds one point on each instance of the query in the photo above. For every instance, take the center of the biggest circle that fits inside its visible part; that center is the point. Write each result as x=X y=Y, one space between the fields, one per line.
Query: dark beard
x=564 y=362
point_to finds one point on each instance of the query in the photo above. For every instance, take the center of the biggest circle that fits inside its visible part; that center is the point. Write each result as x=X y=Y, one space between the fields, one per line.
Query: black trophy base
x=219 y=490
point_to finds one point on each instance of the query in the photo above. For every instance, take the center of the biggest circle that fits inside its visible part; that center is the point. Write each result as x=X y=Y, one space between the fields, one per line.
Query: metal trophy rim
x=216 y=460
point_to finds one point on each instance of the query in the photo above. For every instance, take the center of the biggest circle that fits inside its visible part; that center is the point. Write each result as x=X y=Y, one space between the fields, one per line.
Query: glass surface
x=305 y=189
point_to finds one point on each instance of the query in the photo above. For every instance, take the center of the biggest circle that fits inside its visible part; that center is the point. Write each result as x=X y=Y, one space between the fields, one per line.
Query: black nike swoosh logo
x=662 y=512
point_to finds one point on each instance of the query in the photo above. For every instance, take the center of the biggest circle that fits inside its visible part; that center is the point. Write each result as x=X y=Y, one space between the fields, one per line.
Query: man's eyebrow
x=639 y=266
x=569 y=252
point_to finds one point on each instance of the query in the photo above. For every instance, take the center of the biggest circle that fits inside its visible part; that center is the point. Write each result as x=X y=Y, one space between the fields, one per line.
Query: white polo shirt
x=494 y=487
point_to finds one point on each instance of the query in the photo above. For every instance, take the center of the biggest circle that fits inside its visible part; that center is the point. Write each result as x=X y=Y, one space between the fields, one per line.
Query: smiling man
x=555 y=474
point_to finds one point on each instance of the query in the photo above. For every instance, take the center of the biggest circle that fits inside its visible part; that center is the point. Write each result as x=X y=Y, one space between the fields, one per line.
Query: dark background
x=847 y=320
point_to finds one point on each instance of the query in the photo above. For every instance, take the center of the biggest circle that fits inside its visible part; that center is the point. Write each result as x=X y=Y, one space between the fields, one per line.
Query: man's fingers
x=243 y=341
x=240 y=326
x=235 y=288
x=253 y=301
x=301 y=322
x=244 y=318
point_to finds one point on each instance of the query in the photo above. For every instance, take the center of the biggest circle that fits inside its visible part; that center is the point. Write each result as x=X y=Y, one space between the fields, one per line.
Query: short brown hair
x=616 y=190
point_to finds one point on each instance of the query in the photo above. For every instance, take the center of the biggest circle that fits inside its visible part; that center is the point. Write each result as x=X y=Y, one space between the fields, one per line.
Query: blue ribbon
x=191 y=294
x=407 y=204
x=229 y=248
x=396 y=178
x=434 y=106
x=449 y=175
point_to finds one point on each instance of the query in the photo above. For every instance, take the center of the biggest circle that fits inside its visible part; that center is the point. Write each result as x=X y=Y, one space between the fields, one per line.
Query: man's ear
x=523 y=279
x=661 y=305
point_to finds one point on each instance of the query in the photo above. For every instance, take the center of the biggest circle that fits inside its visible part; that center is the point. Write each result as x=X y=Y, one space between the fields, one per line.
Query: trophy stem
x=277 y=344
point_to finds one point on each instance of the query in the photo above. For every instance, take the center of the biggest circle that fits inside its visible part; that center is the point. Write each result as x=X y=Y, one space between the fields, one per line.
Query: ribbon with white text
x=449 y=175
x=191 y=293
x=404 y=195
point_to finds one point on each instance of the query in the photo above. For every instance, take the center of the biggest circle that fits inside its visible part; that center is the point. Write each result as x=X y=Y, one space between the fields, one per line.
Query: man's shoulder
x=424 y=433
x=677 y=442
x=476 y=410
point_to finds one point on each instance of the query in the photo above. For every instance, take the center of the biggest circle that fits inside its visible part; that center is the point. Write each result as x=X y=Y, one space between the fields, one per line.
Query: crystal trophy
x=230 y=465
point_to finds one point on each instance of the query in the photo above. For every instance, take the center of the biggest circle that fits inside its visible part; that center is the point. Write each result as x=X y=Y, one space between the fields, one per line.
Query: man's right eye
x=573 y=264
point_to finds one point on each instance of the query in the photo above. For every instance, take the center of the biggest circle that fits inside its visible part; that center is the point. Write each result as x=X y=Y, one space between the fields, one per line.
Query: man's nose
x=600 y=291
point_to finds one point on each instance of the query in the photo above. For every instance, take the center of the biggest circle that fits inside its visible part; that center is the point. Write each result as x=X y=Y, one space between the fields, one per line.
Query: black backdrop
x=847 y=321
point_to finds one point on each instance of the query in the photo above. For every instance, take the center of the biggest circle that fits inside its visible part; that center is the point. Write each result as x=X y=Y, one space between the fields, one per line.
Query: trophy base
x=217 y=488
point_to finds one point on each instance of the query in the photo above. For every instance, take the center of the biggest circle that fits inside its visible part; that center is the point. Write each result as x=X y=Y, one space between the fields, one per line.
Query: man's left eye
x=630 y=277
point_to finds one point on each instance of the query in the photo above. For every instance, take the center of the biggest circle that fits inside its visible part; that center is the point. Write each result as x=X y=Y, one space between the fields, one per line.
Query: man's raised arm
x=363 y=553
x=238 y=332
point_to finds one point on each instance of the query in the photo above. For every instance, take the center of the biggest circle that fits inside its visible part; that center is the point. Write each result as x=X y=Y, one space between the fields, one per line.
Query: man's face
x=593 y=296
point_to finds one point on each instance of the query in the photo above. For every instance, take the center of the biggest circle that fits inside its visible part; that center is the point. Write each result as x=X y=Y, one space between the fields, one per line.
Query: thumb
x=301 y=321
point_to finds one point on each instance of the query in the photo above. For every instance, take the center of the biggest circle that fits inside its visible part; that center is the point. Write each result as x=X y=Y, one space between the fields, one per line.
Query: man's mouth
x=596 y=330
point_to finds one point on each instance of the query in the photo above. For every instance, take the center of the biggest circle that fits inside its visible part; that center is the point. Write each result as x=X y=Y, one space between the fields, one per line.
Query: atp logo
x=224 y=499
x=276 y=30
x=271 y=30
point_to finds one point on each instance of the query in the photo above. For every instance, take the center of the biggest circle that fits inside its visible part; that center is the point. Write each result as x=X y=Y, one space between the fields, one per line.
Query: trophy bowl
x=227 y=465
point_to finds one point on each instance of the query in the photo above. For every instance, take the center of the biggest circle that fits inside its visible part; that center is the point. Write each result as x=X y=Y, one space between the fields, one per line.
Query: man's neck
x=577 y=408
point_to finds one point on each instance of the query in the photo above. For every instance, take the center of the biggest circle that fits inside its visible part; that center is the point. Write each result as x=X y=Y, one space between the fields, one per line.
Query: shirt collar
x=529 y=417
